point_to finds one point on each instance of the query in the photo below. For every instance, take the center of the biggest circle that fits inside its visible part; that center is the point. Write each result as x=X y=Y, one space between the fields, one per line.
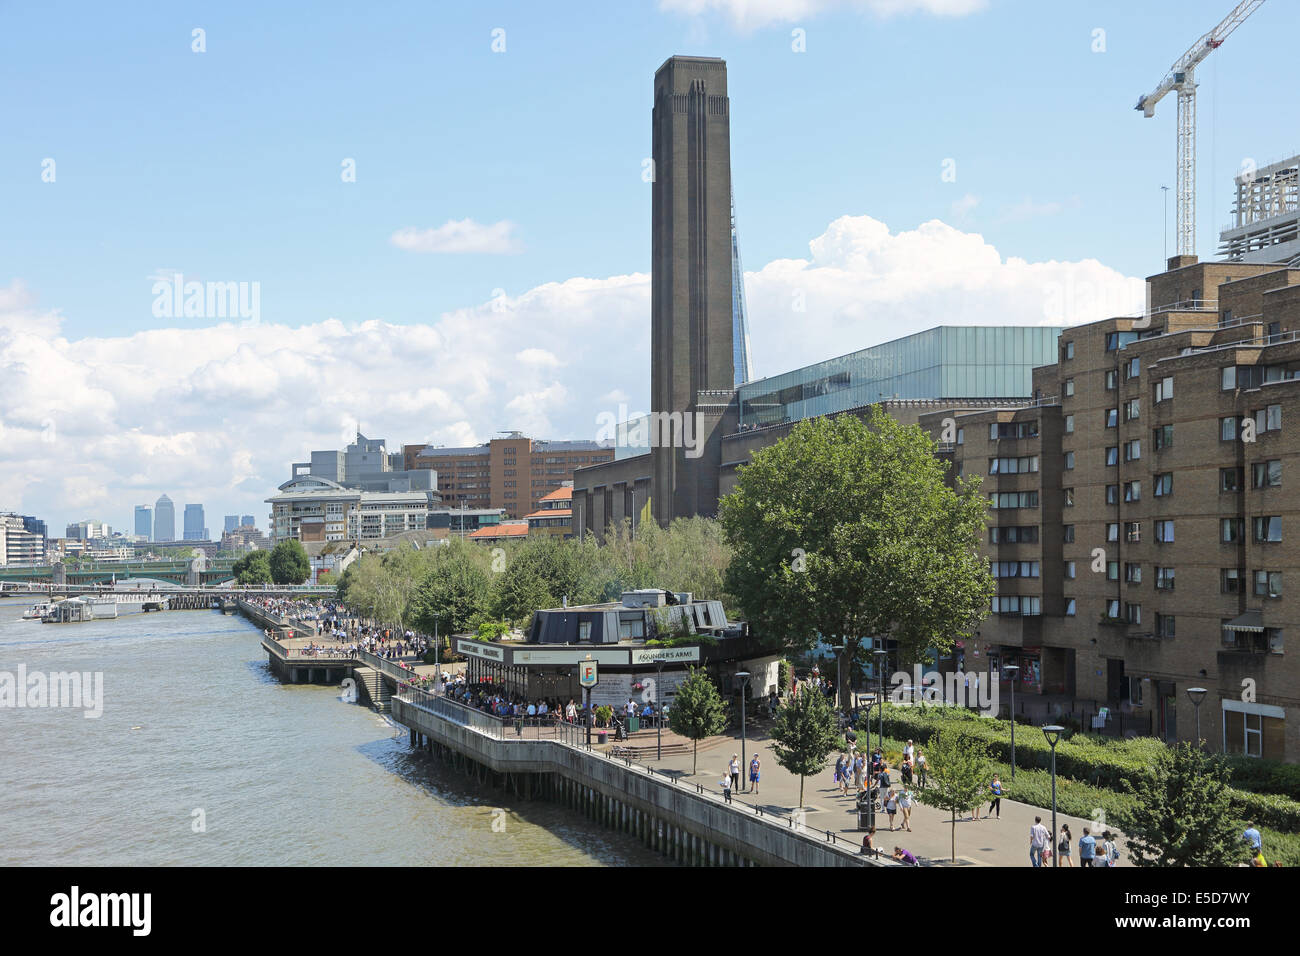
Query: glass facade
x=944 y=362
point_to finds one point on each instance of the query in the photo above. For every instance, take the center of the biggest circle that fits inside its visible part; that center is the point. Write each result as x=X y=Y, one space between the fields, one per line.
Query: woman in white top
x=905 y=804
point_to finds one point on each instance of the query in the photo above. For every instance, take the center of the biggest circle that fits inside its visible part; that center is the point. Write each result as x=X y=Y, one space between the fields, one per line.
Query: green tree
x=289 y=563
x=455 y=588
x=253 y=568
x=805 y=732
x=1182 y=815
x=846 y=529
x=697 y=711
x=958 y=776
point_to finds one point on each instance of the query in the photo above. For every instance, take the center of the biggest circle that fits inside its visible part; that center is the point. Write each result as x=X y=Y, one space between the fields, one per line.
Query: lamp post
x=1013 y=670
x=880 y=654
x=839 y=650
x=659 y=717
x=1053 y=735
x=744 y=678
x=1196 y=695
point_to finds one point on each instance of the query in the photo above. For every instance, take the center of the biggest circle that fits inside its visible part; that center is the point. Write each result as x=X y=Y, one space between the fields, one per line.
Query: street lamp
x=880 y=654
x=1053 y=735
x=839 y=649
x=1196 y=695
x=659 y=717
x=744 y=678
x=1013 y=670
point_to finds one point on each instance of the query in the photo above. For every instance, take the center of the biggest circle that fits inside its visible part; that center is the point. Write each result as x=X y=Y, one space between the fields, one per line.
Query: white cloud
x=464 y=235
x=217 y=414
x=752 y=14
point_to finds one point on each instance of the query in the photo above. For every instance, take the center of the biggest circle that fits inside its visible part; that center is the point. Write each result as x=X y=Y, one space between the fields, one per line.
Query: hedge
x=1101 y=761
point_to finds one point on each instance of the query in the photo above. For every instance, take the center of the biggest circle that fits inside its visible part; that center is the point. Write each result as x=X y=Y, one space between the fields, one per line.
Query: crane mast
x=1182 y=79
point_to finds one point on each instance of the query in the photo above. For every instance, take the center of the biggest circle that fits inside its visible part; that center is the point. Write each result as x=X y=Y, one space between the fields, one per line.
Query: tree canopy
x=958 y=776
x=805 y=732
x=289 y=563
x=846 y=529
x=1183 y=815
x=698 y=711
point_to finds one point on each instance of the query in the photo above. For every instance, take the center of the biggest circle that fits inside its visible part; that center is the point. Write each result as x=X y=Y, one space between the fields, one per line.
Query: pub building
x=545 y=664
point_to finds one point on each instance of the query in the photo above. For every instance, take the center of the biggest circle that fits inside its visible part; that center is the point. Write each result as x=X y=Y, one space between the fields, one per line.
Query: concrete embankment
x=689 y=826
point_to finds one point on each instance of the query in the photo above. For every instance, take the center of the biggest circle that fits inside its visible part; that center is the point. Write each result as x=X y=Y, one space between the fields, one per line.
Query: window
x=1266 y=474
x=1268 y=528
x=999 y=430
x=1069 y=570
x=1112 y=380
x=1013 y=466
x=1164 y=625
x=1230 y=530
x=1133 y=613
x=1112 y=494
x=1112 y=570
x=1112 y=609
x=1268 y=419
x=1015 y=604
x=1133 y=531
x=1069 y=461
x=1132 y=573
x=1227 y=429
x=961 y=436
x=1268 y=584
x=1132 y=450
x=1164 y=579
x=1165 y=532
x=1231 y=580
x=1069 y=351
x=1014 y=499
x=1067 y=534
x=1112 y=455
x=1132 y=369
x=1164 y=484
x=1112 y=531
x=1069 y=424
x=1225 y=318
x=1069 y=607
x=1230 y=480
x=1132 y=410
x=1164 y=389
x=1162 y=437
x=1273 y=635
x=1014 y=569
x=1132 y=491
x=1069 y=387
x=584 y=631
x=1014 y=534
x=1119 y=340
x=1069 y=496
x=1112 y=417
x=1227 y=378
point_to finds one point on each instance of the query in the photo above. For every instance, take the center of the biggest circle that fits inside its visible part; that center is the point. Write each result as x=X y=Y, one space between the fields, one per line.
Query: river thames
x=197 y=735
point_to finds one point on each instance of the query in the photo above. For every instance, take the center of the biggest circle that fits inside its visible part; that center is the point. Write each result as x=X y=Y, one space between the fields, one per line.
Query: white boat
x=37 y=611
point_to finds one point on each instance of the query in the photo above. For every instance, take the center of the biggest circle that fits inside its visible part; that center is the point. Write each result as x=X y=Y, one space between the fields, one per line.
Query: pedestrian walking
x=891 y=807
x=920 y=769
x=1109 y=851
x=733 y=768
x=753 y=773
x=1087 y=848
x=1063 y=845
x=1038 y=840
x=905 y=805
x=996 y=789
x=841 y=776
x=726 y=787
x=859 y=764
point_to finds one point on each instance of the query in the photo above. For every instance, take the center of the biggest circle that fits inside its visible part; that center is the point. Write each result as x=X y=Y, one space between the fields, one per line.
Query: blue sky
x=225 y=165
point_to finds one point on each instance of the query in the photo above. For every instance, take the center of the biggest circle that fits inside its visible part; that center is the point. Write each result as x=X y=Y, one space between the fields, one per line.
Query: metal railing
x=574 y=735
x=385 y=666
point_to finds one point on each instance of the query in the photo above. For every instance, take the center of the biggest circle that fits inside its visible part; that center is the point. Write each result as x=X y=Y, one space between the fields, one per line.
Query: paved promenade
x=995 y=842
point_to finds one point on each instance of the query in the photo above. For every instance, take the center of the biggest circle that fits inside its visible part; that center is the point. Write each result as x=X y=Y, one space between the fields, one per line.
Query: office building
x=310 y=508
x=164 y=520
x=513 y=473
x=231 y=522
x=23 y=541
x=246 y=520
x=88 y=530
x=194 y=524
x=144 y=521
x=554 y=517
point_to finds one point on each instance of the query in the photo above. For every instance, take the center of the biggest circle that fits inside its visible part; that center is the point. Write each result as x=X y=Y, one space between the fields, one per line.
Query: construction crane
x=1181 y=77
